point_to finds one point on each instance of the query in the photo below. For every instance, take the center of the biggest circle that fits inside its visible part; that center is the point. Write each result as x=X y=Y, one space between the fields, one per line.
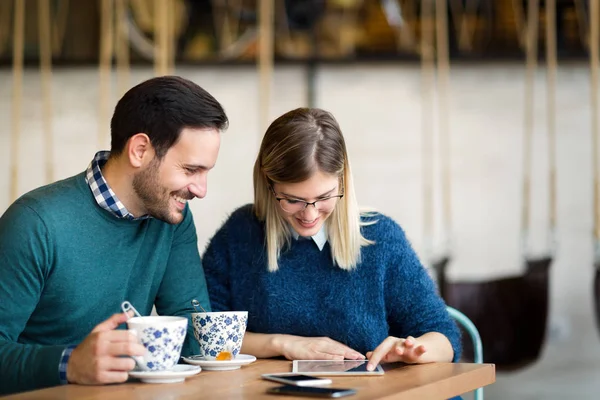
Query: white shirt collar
x=320 y=238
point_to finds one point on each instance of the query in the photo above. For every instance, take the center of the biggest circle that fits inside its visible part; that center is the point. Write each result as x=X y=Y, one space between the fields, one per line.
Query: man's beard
x=155 y=198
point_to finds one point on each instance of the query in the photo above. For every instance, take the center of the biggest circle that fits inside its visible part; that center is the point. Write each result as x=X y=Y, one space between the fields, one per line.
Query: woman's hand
x=394 y=349
x=431 y=347
x=316 y=348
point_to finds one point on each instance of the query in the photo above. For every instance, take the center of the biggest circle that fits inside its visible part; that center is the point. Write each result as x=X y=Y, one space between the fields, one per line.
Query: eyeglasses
x=293 y=206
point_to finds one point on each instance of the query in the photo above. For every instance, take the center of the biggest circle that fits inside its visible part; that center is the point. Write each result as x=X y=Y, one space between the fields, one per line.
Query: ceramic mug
x=162 y=336
x=220 y=334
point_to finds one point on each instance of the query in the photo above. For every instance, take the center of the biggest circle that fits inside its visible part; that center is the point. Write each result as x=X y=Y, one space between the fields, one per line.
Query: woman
x=320 y=279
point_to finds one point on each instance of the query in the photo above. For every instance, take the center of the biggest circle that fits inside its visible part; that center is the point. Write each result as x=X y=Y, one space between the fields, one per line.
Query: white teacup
x=220 y=334
x=162 y=336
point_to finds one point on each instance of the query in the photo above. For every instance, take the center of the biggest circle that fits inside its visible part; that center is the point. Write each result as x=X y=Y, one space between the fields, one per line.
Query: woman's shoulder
x=390 y=243
x=242 y=216
x=377 y=226
x=244 y=212
x=241 y=225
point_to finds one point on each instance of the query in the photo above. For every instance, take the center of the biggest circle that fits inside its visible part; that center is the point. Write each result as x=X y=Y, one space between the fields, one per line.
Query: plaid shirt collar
x=105 y=197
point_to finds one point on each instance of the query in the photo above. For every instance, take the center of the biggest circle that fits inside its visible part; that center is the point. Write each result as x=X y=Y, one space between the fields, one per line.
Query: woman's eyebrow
x=301 y=198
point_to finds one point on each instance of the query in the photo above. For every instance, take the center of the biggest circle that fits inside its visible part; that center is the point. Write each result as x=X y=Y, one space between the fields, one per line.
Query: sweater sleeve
x=183 y=280
x=24 y=264
x=413 y=304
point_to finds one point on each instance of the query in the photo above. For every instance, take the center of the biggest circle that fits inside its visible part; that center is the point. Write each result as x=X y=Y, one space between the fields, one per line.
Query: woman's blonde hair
x=295 y=146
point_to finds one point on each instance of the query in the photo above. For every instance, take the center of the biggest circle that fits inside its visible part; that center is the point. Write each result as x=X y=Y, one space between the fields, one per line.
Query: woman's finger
x=377 y=355
x=420 y=350
x=400 y=349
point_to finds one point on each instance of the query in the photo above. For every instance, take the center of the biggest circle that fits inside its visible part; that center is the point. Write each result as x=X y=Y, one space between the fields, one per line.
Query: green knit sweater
x=66 y=265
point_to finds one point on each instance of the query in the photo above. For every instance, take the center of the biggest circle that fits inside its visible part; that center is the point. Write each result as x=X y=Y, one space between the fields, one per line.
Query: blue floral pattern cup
x=162 y=337
x=220 y=333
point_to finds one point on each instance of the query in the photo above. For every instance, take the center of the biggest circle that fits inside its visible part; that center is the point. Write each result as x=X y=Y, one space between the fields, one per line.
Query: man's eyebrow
x=301 y=198
x=196 y=166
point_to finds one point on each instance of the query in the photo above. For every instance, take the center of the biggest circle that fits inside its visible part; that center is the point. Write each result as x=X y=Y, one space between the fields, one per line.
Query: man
x=72 y=251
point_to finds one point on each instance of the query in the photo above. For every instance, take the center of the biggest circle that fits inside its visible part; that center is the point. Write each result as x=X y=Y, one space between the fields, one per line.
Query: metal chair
x=471 y=329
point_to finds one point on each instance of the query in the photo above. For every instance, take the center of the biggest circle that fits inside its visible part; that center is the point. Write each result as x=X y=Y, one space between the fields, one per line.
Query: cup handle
x=139 y=360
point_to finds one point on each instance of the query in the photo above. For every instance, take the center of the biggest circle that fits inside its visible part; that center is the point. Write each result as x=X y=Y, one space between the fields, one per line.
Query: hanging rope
x=594 y=39
x=520 y=23
x=405 y=32
x=5 y=11
x=46 y=75
x=122 y=44
x=594 y=31
x=17 y=98
x=106 y=52
x=443 y=81
x=347 y=34
x=171 y=38
x=265 y=60
x=551 y=61
x=531 y=50
x=582 y=23
x=221 y=21
x=461 y=22
x=161 y=41
x=427 y=128
x=59 y=27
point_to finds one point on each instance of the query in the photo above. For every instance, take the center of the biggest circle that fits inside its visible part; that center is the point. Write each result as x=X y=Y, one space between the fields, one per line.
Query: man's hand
x=98 y=359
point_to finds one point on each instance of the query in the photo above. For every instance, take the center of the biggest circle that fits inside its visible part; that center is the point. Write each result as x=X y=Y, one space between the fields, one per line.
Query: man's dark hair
x=161 y=108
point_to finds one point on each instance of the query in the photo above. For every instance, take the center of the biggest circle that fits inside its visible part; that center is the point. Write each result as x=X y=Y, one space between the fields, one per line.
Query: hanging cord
x=59 y=27
x=522 y=33
x=17 y=98
x=582 y=23
x=122 y=46
x=5 y=12
x=461 y=22
x=45 y=38
x=427 y=127
x=551 y=61
x=400 y=16
x=106 y=53
x=171 y=46
x=531 y=66
x=226 y=18
x=443 y=81
x=265 y=60
x=161 y=35
x=594 y=31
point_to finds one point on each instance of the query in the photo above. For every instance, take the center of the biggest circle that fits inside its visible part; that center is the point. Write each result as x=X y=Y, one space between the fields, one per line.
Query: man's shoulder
x=41 y=209
x=55 y=196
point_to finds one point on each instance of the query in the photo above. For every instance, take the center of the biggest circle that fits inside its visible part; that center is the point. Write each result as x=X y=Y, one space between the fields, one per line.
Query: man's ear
x=139 y=150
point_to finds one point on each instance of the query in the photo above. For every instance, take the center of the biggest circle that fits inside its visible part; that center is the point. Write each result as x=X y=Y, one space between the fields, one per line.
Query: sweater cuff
x=62 y=366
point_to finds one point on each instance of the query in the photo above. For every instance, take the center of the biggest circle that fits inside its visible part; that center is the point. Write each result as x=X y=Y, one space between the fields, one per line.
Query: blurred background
x=473 y=123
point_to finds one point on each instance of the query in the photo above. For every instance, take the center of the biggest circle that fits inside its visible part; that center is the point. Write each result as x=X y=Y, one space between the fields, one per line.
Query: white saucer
x=176 y=374
x=241 y=359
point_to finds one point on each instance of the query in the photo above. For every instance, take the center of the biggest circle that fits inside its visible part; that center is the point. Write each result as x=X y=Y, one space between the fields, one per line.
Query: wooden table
x=428 y=381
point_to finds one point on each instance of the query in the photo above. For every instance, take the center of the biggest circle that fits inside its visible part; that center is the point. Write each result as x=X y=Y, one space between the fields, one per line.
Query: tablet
x=334 y=368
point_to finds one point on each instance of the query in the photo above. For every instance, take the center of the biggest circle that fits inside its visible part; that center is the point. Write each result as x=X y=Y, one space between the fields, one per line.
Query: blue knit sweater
x=389 y=293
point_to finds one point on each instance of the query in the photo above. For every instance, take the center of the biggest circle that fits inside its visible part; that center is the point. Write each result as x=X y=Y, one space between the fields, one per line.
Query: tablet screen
x=328 y=367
